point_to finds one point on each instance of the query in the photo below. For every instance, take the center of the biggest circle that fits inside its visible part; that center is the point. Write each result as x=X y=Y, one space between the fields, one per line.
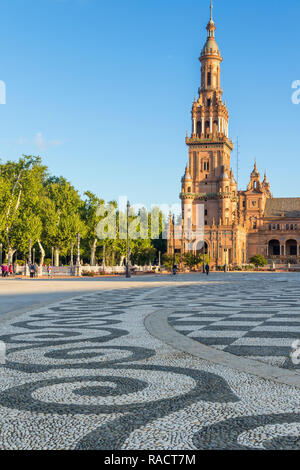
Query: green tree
x=258 y=261
x=143 y=253
x=20 y=220
x=192 y=260
x=91 y=219
x=68 y=207
x=168 y=260
x=160 y=224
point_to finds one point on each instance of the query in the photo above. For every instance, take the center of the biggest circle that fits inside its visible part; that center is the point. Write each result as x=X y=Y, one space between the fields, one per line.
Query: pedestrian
x=10 y=270
x=3 y=270
x=49 y=269
x=6 y=270
x=174 y=269
x=207 y=269
x=31 y=269
x=36 y=270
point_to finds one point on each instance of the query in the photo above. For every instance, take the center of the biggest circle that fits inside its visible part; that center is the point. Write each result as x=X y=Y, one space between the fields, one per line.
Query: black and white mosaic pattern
x=85 y=374
x=259 y=318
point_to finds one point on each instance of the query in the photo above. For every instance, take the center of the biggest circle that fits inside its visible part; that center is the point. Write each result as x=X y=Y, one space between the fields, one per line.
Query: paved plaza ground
x=157 y=362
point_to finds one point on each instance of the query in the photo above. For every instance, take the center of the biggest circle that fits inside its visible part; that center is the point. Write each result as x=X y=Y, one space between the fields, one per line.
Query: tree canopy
x=46 y=211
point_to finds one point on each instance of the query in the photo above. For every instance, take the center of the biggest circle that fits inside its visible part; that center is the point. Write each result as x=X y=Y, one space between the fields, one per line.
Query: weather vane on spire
x=211 y=10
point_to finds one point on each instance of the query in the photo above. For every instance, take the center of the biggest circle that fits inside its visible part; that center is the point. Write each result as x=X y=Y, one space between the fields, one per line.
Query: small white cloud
x=42 y=144
x=39 y=141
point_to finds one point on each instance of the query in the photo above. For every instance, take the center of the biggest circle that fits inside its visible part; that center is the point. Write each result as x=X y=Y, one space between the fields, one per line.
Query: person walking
x=3 y=270
x=49 y=269
x=6 y=270
x=36 y=270
x=31 y=269
x=10 y=270
x=207 y=269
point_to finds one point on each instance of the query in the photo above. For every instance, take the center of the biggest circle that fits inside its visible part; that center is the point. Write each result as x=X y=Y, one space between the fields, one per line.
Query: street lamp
x=29 y=257
x=174 y=252
x=104 y=255
x=204 y=258
x=225 y=268
x=72 y=260
x=78 y=250
x=128 y=275
x=33 y=250
x=52 y=256
x=1 y=253
x=78 y=264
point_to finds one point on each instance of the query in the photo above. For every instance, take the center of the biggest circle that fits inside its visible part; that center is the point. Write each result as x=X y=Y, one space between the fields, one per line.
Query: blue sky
x=103 y=90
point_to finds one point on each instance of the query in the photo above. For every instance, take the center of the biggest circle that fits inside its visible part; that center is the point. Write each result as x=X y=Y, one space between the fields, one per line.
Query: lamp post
x=104 y=254
x=33 y=254
x=1 y=253
x=29 y=254
x=78 y=264
x=52 y=256
x=204 y=258
x=128 y=275
x=225 y=268
x=174 y=252
x=78 y=250
x=72 y=259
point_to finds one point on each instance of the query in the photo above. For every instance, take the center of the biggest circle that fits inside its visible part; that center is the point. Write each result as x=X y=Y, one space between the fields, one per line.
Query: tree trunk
x=93 y=252
x=56 y=257
x=42 y=259
x=104 y=256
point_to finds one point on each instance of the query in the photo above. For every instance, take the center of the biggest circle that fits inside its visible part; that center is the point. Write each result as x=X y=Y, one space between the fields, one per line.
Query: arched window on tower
x=207 y=127
x=209 y=79
x=199 y=130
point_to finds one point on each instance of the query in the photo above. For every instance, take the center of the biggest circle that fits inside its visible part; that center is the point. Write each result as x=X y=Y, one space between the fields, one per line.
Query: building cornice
x=211 y=143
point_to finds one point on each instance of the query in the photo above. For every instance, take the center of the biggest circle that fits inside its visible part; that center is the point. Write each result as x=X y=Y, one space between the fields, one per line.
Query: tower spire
x=211 y=28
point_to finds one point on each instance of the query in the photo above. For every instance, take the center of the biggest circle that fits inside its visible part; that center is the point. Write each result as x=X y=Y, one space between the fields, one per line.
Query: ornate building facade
x=237 y=224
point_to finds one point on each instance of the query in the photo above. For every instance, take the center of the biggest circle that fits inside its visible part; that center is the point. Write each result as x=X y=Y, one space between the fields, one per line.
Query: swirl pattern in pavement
x=85 y=374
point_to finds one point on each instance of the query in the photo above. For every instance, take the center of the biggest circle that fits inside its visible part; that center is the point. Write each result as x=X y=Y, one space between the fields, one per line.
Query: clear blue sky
x=103 y=90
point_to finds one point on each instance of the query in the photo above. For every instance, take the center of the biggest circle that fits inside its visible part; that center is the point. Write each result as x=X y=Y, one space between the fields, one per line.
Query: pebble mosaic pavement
x=258 y=319
x=85 y=374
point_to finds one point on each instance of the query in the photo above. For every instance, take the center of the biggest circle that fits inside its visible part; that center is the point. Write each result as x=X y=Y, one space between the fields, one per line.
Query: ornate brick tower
x=237 y=224
x=208 y=178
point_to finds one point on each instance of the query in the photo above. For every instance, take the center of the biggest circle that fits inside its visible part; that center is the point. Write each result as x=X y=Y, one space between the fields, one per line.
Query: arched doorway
x=291 y=248
x=201 y=247
x=274 y=248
